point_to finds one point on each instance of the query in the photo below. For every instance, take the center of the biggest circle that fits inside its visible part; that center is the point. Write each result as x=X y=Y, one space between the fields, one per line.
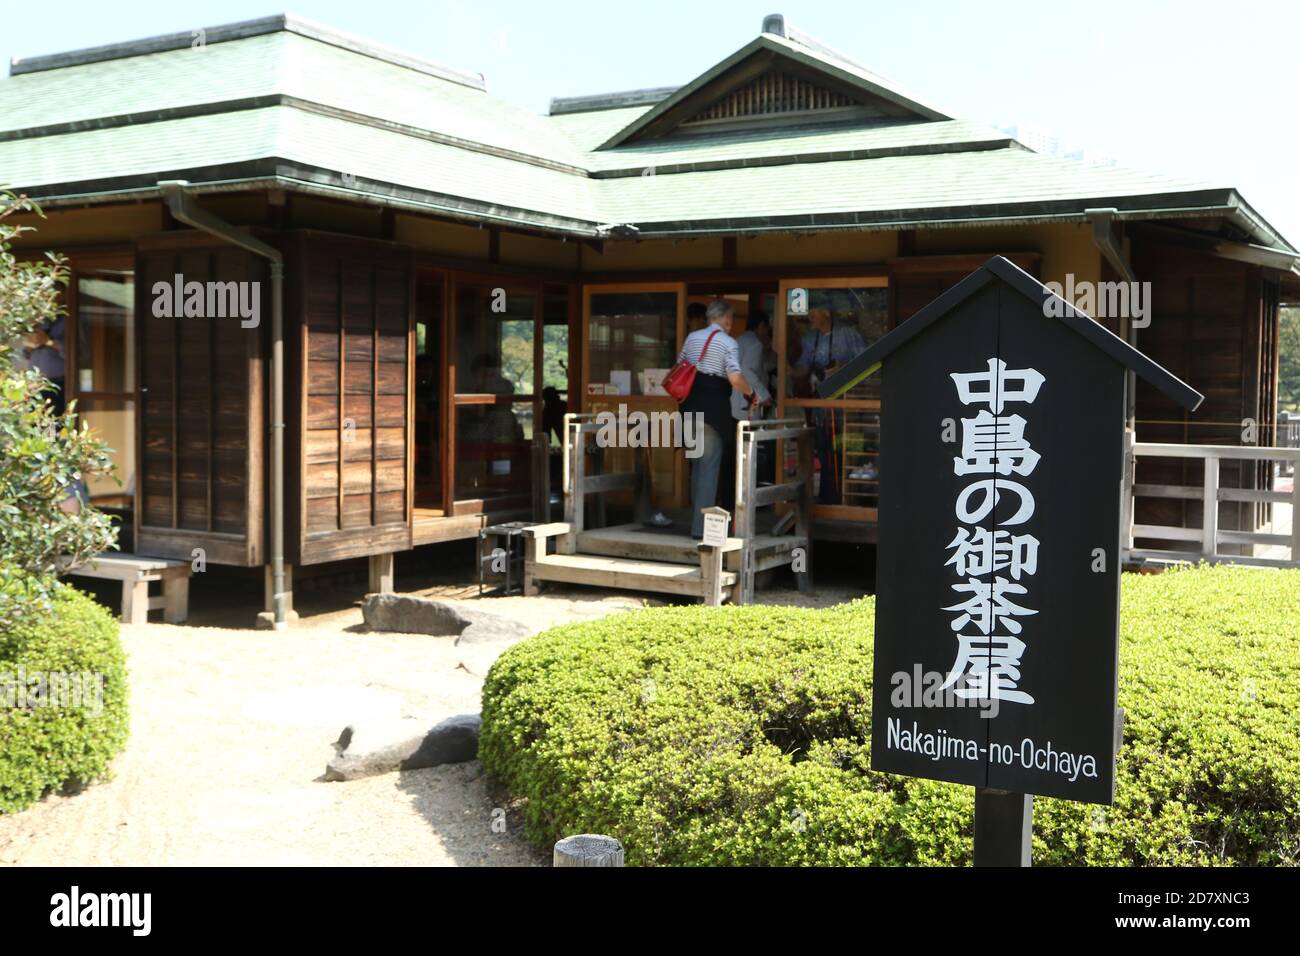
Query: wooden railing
x=1288 y=436
x=796 y=522
x=1210 y=536
x=580 y=483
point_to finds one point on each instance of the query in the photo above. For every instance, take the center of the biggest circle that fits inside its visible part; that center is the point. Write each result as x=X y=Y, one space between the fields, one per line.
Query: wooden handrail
x=1234 y=452
x=1210 y=494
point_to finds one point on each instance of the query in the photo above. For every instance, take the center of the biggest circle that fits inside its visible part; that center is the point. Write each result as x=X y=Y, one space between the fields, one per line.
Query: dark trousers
x=829 y=424
x=727 y=478
x=57 y=396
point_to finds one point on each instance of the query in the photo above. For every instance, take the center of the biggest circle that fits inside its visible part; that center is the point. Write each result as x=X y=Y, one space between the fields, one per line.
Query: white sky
x=1198 y=89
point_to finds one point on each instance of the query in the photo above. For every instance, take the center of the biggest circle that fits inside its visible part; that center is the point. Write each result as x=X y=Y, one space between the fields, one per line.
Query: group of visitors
x=731 y=384
x=734 y=382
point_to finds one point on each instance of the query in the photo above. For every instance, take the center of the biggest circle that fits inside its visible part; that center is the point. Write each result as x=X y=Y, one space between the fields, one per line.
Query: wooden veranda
x=771 y=527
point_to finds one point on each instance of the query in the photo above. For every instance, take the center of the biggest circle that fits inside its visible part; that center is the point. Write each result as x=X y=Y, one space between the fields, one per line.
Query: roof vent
x=774 y=23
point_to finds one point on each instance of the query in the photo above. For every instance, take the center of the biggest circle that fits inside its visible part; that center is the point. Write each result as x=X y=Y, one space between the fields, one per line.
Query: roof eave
x=1185 y=205
x=272 y=174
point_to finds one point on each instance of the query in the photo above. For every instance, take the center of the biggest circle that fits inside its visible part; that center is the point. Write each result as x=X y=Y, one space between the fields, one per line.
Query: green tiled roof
x=279 y=101
x=993 y=178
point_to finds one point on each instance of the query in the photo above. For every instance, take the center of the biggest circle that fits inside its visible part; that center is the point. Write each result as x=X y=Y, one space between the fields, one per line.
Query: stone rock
x=410 y=614
x=486 y=627
x=367 y=748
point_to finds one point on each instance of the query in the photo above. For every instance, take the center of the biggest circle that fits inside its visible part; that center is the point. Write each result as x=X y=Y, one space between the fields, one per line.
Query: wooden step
x=635 y=541
x=624 y=573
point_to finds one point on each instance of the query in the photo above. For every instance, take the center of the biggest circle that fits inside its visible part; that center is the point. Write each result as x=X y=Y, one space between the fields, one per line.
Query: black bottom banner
x=331 y=905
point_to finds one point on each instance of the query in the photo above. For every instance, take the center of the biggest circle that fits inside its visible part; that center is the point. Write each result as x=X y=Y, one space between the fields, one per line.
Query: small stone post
x=588 y=849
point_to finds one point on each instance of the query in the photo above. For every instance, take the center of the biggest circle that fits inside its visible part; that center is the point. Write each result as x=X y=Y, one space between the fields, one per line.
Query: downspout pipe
x=1103 y=237
x=184 y=209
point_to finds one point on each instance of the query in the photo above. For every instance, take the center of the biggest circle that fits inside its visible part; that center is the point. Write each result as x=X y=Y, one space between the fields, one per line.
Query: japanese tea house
x=448 y=259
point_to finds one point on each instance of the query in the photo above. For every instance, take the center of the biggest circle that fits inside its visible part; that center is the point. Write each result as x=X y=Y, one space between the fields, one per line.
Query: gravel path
x=231 y=730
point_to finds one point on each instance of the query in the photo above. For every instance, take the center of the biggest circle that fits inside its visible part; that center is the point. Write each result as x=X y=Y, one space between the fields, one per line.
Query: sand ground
x=231 y=730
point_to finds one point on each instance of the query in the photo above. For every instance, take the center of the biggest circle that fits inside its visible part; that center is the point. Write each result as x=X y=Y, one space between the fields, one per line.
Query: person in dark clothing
x=716 y=358
x=46 y=356
x=553 y=409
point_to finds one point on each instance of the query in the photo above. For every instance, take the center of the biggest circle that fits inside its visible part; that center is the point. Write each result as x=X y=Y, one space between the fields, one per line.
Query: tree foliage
x=44 y=457
x=1288 y=378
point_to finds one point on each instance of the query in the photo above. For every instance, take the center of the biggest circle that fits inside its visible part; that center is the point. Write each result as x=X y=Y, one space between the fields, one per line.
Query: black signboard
x=997 y=599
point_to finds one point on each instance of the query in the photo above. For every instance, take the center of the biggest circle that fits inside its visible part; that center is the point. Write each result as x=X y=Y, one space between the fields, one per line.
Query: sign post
x=1004 y=825
x=997 y=593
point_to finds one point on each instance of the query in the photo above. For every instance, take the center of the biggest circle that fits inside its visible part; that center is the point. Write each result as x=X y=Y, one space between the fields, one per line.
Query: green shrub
x=44 y=747
x=741 y=736
x=45 y=459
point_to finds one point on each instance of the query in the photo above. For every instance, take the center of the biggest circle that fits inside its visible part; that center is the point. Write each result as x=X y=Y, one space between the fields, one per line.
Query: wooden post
x=588 y=849
x=574 y=505
x=135 y=601
x=750 y=478
x=804 y=507
x=742 y=508
x=1210 y=508
x=1003 y=827
x=711 y=574
x=1295 y=510
x=381 y=573
x=1127 y=480
x=598 y=505
x=176 y=598
x=716 y=521
x=531 y=543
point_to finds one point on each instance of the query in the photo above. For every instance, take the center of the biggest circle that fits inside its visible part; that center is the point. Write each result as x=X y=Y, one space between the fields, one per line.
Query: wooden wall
x=1214 y=325
x=915 y=281
x=199 y=481
x=349 y=446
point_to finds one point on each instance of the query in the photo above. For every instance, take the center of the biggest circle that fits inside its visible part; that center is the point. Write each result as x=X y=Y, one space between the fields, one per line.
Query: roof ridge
x=243 y=29
x=591 y=102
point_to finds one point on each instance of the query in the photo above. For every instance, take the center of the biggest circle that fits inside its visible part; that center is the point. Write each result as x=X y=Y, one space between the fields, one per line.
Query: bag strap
x=707 y=343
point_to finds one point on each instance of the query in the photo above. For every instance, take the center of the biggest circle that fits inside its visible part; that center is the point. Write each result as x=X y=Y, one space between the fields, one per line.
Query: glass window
x=428 y=407
x=494 y=336
x=104 y=378
x=834 y=324
x=113 y=422
x=630 y=333
x=838 y=324
x=105 y=302
x=555 y=364
x=492 y=449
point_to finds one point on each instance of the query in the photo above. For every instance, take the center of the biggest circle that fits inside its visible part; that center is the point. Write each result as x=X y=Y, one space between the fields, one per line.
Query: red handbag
x=681 y=378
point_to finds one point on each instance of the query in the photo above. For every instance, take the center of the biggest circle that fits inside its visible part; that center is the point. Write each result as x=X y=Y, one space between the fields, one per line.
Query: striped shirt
x=722 y=357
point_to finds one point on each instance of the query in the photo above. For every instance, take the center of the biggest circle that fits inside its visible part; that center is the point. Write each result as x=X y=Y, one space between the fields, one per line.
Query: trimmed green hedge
x=741 y=736
x=44 y=747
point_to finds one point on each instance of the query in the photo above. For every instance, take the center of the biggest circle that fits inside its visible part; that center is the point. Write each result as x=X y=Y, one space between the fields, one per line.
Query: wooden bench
x=135 y=572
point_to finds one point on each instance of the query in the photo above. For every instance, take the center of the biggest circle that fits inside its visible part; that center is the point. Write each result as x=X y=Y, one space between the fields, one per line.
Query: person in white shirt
x=713 y=352
x=753 y=346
